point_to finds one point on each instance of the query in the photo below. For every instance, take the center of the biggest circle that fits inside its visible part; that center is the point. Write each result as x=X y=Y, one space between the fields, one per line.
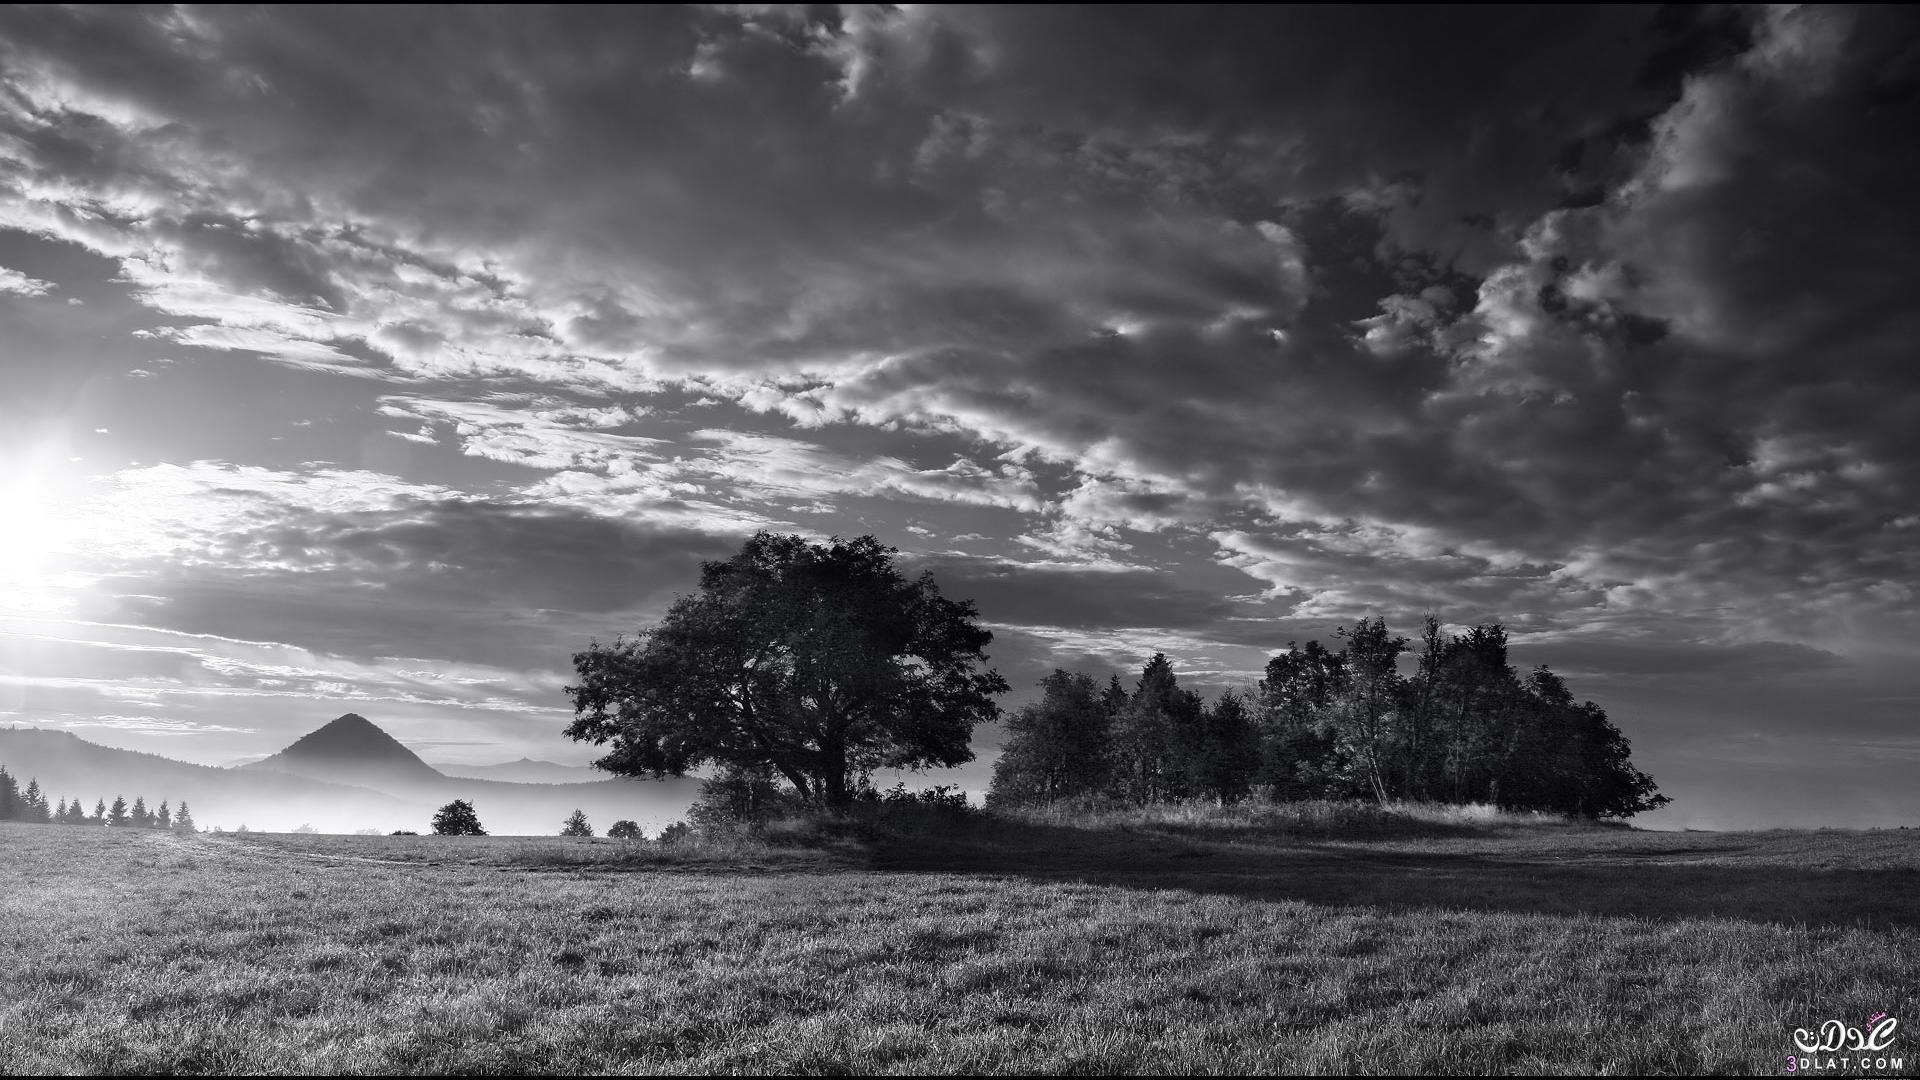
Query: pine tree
x=9 y=796
x=33 y=804
x=141 y=817
x=60 y=812
x=183 y=819
x=117 y=815
x=99 y=813
x=1152 y=732
x=164 y=817
x=576 y=825
x=76 y=814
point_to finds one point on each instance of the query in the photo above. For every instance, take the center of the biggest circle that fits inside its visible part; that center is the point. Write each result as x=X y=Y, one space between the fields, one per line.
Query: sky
x=379 y=359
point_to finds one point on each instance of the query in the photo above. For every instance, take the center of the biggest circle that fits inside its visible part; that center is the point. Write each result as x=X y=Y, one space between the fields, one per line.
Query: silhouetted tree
x=99 y=816
x=1366 y=713
x=9 y=796
x=117 y=814
x=1570 y=759
x=163 y=818
x=183 y=819
x=625 y=830
x=140 y=816
x=457 y=819
x=1059 y=746
x=1223 y=755
x=1153 y=731
x=576 y=825
x=818 y=661
x=1300 y=756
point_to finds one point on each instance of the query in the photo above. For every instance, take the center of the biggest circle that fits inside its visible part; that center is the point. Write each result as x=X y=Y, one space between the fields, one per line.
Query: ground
x=1112 y=946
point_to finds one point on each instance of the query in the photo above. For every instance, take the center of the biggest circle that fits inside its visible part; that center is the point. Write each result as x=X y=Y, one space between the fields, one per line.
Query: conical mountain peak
x=349 y=746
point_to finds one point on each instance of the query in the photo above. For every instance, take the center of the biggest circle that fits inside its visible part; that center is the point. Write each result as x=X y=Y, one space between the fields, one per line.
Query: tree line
x=1464 y=727
x=30 y=805
x=816 y=664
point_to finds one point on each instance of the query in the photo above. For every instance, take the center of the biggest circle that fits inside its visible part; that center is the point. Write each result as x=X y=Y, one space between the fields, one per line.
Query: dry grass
x=1012 y=947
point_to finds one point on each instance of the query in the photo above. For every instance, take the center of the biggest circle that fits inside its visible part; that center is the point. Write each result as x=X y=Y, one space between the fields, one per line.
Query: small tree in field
x=457 y=819
x=163 y=817
x=576 y=825
x=183 y=819
x=625 y=830
x=117 y=815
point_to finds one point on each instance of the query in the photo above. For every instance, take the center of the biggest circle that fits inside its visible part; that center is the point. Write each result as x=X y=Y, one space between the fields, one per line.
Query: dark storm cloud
x=507 y=586
x=1009 y=592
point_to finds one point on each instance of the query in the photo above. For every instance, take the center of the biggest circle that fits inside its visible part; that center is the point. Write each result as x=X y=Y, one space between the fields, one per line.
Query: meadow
x=1330 y=940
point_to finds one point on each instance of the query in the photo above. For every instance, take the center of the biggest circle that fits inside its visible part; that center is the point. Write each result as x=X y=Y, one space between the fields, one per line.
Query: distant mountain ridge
x=528 y=771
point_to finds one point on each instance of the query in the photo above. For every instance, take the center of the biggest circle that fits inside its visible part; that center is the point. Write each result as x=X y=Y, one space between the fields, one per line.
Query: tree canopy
x=1465 y=727
x=457 y=818
x=819 y=662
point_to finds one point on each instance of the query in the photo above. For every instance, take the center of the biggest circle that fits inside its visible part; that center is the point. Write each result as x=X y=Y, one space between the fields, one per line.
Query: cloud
x=19 y=284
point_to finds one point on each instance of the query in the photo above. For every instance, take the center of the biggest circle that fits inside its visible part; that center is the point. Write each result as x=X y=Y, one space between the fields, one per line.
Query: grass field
x=1131 y=943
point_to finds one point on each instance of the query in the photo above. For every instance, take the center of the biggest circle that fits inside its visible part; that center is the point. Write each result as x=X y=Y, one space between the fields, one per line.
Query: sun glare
x=37 y=526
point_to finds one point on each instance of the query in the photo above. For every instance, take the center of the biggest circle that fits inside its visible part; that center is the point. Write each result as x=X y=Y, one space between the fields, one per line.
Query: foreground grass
x=1151 y=945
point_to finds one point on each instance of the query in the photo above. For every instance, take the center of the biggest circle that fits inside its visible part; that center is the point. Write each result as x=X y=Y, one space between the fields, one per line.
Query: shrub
x=457 y=819
x=676 y=832
x=626 y=830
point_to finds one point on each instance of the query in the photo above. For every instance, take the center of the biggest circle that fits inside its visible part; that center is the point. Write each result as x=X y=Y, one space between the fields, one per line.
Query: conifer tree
x=99 y=813
x=1151 y=734
x=117 y=814
x=163 y=818
x=9 y=796
x=141 y=817
x=60 y=812
x=33 y=804
x=183 y=819
x=576 y=825
x=76 y=814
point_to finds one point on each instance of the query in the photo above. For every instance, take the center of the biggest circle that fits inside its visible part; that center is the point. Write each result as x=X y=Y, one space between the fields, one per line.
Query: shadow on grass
x=1665 y=876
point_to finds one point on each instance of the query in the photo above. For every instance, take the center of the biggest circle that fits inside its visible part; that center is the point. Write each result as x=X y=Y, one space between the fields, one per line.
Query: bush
x=457 y=819
x=740 y=798
x=403 y=832
x=676 y=832
x=626 y=830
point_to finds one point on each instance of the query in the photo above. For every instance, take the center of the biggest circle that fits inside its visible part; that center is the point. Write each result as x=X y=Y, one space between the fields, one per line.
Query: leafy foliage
x=457 y=819
x=1463 y=729
x=815 y=662
x=626 y=829
x=576 y=825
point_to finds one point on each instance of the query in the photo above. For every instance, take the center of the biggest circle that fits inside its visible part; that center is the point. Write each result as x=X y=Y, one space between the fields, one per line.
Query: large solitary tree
x=820 y=662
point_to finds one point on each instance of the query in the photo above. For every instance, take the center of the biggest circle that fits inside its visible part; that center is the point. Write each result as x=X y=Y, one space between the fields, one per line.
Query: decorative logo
x=1835 y=1045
